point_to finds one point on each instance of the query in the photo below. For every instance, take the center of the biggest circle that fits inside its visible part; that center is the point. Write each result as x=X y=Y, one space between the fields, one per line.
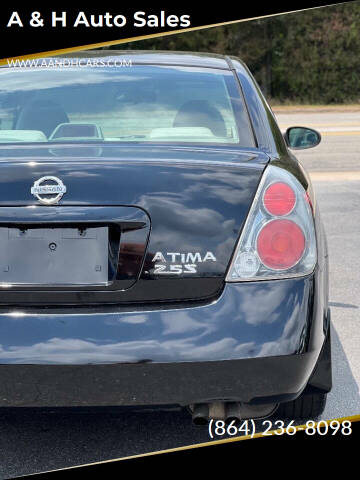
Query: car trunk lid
x=169 y=215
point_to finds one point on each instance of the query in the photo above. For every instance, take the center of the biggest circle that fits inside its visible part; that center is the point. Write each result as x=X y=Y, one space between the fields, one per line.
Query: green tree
x=303 y=57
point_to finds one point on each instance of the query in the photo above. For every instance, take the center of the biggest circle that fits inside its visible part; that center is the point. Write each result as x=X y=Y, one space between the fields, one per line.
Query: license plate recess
x=54 y=256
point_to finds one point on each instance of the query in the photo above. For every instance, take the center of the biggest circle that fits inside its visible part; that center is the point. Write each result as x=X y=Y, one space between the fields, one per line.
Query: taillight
x=278 y=239
x=279 y=199
x=280 y=244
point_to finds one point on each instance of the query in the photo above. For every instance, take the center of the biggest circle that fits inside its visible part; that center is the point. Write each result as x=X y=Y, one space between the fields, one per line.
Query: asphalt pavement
x=35 y=441
x=334 y=167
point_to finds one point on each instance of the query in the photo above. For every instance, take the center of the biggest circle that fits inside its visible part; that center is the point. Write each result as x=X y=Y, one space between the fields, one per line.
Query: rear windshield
x=136 y=104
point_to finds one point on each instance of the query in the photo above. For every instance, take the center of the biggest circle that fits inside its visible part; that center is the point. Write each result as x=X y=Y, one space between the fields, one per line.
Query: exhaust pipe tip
x=232 y=412
x=229 y=412
x=200 y=414
x=232 y=420
x=200 y=421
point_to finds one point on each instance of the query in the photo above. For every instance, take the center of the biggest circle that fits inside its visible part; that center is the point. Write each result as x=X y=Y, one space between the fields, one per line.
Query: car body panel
x=148 y=57
x=202 y=192
x=231 y=327
x=171 y=339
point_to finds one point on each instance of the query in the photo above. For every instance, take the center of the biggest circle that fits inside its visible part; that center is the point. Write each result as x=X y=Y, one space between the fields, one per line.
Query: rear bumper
x=258 y=342
x=266 y=380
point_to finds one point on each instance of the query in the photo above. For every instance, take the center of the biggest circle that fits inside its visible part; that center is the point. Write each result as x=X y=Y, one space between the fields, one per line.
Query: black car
x=160 y=244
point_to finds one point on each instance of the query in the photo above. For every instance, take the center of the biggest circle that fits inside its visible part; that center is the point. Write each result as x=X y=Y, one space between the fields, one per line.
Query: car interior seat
x=199 y=113
x=43 y=115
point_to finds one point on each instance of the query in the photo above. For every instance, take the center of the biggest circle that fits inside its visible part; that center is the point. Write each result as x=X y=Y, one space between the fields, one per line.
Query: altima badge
x=52 y=187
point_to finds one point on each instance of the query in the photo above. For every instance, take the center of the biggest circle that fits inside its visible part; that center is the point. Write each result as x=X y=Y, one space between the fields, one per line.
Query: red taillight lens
x=280 y=244
x=279 y=199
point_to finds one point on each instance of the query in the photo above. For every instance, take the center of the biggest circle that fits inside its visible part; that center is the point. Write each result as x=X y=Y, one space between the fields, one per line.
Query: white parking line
x=347 y=176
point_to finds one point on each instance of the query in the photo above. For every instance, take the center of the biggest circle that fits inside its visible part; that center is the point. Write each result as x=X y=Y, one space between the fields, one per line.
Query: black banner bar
x=32 y=30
